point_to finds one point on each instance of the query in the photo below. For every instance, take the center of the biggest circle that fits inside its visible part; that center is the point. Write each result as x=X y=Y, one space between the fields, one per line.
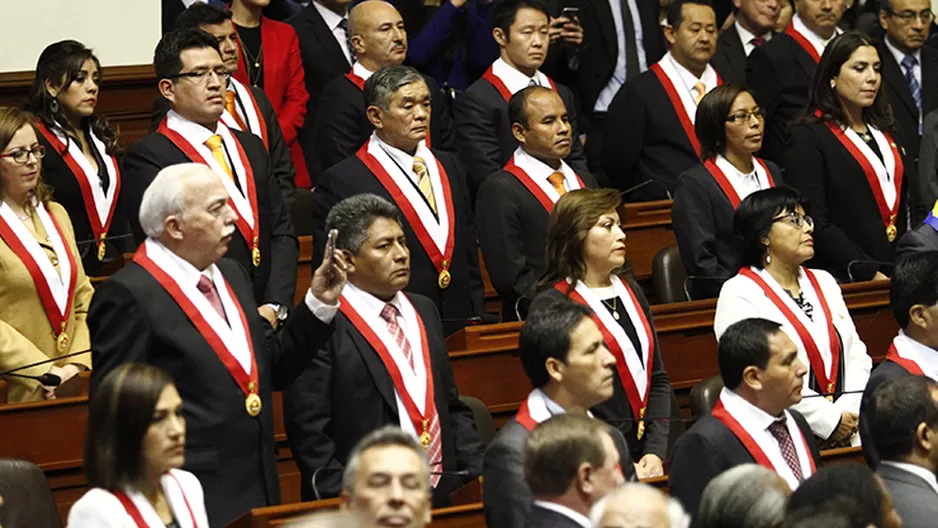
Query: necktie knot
x=389 y=313
x=757 y=41
x=779 y=428
x=343 y=24
x=556 y=179
x=214 y=142
x=909 y=62
x=701 y=90
x=205 y=284
x=420 y=167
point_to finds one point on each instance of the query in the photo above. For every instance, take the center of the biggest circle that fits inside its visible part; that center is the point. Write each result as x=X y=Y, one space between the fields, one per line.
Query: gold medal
x=641 y=424
x=425 y=435
x=830 y=392
x=62 y=342
x=102 y=248
x=256 y=254
x=891 y=232
x=253 y=404
x=445 y=277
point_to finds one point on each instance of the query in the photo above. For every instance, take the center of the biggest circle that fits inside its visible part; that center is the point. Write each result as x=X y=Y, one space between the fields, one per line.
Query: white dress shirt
x=926 y=358
x=900 y=56
x=516 y=81
x=918 y=471
x=709 y=77
x=332 y=21
x=618 y=72
x=814 y=39
x=743 y=183
x=362 y=71
x=575 y=516
x=540 y=171
x=746 y=36
x=405 y=161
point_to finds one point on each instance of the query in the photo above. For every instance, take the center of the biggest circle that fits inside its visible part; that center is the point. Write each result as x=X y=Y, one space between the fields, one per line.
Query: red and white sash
x=904 y=353
x=824 y=351
x=245 y=206
x=436 y=233
x=56 y=289
x=99 y=205
x=635 y=373
x=539 y=187
x=731 y=187
x=358 y=74
x=248 y=110
x=764 y=448
x=534 y=410
x=681 y=100
x=148 y=518
x=232 y=344
x=502 y=88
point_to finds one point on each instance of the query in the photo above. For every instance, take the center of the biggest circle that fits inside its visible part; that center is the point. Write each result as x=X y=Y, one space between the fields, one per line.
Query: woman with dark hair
x=44 y=293
x=586 y=262
x=842 y=158
x=134 y=447
x=776 y=240
x=80 y=163
x=729 y=127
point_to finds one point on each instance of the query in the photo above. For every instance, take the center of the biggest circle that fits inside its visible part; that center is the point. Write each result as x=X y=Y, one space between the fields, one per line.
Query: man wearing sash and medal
x=193 y=78
x=514 y=204
x=182 y=307
x=378 y=38
x=650 y=126
x=428 y=186
x=752 y=421
x=483 y=121
x=386 y=364
x=566 y=359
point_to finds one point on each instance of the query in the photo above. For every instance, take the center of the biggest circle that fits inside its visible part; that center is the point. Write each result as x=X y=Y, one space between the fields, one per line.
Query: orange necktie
x=556 y=179
x=230 y=107
x=701 y=90
x=218 y=152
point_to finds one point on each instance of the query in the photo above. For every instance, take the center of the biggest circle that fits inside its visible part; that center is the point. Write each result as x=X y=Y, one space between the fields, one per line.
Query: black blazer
x=484 y=131
x=544 y=518
x=922 y=238
x=347 y=392
x=323 y=61
x=67 y=191
x=709 y=448
x=779 y=73
x=702 y=217
x=512 y=227
x=465 y=297
x=275 y=279
x=885 y=371
x=847 y=223
x=730 y=57
x=342 y=127
x=645 y=141
x=900 y=97
x=616 y=410
x=132 y=319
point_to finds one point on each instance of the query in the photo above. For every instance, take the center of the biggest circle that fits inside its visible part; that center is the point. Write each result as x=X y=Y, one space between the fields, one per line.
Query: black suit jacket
x=730 y=57
x=347 y=392
x=545 y=518
x=702 y=217
x=779 y=73
x=342 y=127
x=275 y=279
x=922 y=238
x=484 y=131
x=323 y=61
x=464 y=298
x=644 y=140
x=132 y=319
x=885 y=371
x=847 y=223
x=512 y=227
x=900 y=98
x=709 y=448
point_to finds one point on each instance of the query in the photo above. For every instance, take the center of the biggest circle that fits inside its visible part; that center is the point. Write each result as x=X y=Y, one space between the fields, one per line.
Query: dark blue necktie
x=909 y=63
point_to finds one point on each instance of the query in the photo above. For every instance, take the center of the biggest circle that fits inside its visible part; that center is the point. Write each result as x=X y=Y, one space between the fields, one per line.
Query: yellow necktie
x=230 y=107
x=423 y=181
x=701 y=90
x=556 y=179
x=218 y=152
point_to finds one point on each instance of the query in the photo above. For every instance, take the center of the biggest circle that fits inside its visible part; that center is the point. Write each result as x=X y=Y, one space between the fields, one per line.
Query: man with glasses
x=193 y=78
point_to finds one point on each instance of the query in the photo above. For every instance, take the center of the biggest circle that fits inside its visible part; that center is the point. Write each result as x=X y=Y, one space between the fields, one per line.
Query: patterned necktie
x=389 y=314
x=218 y=152
x=556 y=179
x=780 y=431
x=343 y=25
x=423 y=181
x=233 y=110
x=207 y=287
x=757 y=41
x=701 y=90
x=909 y=63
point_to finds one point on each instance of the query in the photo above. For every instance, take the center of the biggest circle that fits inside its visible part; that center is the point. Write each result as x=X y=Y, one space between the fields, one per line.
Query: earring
x=833 y=84
x=768 y=258
x=54 y=106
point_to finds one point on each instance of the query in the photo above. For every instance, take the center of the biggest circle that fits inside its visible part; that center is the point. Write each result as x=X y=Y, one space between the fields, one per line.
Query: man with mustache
x=193 y=78
x=751 y=422
x=378 y=38
x=385 y=365
x=754 y=26
x=779 y=73
x=182 y=307
x=650 y=125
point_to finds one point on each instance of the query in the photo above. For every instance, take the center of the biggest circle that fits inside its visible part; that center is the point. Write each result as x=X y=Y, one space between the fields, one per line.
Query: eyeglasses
x=744 y=117
x=202 y=76
x=907 y=17
x=795 y=219
x=21 y=156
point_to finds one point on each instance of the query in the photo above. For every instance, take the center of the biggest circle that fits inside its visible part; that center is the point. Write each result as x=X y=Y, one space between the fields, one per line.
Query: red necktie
x=757 y=41
x=207 y=287
x=780 y=431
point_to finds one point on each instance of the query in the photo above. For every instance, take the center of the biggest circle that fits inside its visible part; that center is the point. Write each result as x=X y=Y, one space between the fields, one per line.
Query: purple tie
x=207 y=287
x=780 y=431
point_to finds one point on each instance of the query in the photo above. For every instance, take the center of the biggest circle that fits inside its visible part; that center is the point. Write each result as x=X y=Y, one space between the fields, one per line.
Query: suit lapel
x=896 y=79
x=802 y=57
x=607 y=25
x=732 y=50
x=322 y=33
x=379 y=373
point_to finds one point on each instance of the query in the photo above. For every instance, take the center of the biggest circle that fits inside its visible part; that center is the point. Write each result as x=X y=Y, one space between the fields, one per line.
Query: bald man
x=378 y=38
x=639 y=506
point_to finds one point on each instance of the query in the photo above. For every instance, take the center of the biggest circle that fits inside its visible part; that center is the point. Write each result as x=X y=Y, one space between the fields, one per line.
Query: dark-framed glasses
x=907 y=17
x=202 y=75
x=795 y=219
x=21 y=156
x=744 y=117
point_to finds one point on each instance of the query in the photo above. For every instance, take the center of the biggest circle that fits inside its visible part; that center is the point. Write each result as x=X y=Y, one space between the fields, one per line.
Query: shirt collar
x=576 y=516
x=552 y=407
x=745 y=412
x=514 y=80
x=372 y=304
x=331 y=19
x=709 y=77
x=537 y=169
x=190 y=130
x=900 y=55
x=918 y=471
x=745 y=36
x=928 y=355
x=726 y=165
x=182 y=269
x=361 y=71
x=815 y=39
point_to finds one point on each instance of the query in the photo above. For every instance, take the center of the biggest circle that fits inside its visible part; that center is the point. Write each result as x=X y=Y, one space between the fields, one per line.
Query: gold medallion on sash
x=641 y=423
x=425 y=435
x=102 y=248
x=891 y=231
x=256 y=253
x=445 y=277
x=830 y=392
x=253 y=402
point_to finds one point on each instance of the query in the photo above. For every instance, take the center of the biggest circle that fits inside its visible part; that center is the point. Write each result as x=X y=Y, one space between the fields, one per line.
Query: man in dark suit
x=650 y=126
x=913 y=300
x=515 y=203
x=922 y=238
x=752 y=422
x=378 y=39
x=486 y=141
x=385 y=365
x=779 y=72
x=181 y=307
x=570 y=463
x=322 y=28
x=192 y=77
x=903 y=426
x=564 y=356
x=754 y=26
x=427 y=185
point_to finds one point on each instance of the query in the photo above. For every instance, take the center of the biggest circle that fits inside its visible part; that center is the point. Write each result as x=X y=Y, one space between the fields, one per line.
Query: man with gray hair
x=386 y=364
x=637 y=505
x=427 y=185
x=182 y=307
x=747 y=495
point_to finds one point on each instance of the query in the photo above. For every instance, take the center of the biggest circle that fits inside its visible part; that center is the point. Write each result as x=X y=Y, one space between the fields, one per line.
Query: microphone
x=47 y=379
x=851 y=264
x=644 y=183
x=485 y=318
x=83 y=243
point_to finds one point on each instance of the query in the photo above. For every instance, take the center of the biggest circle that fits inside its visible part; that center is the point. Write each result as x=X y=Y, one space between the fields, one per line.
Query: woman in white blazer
x=134 y=448
x=776 y=238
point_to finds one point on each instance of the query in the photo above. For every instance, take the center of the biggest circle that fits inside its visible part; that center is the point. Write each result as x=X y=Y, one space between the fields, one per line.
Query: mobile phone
x=570 y=13
x=330 y=248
